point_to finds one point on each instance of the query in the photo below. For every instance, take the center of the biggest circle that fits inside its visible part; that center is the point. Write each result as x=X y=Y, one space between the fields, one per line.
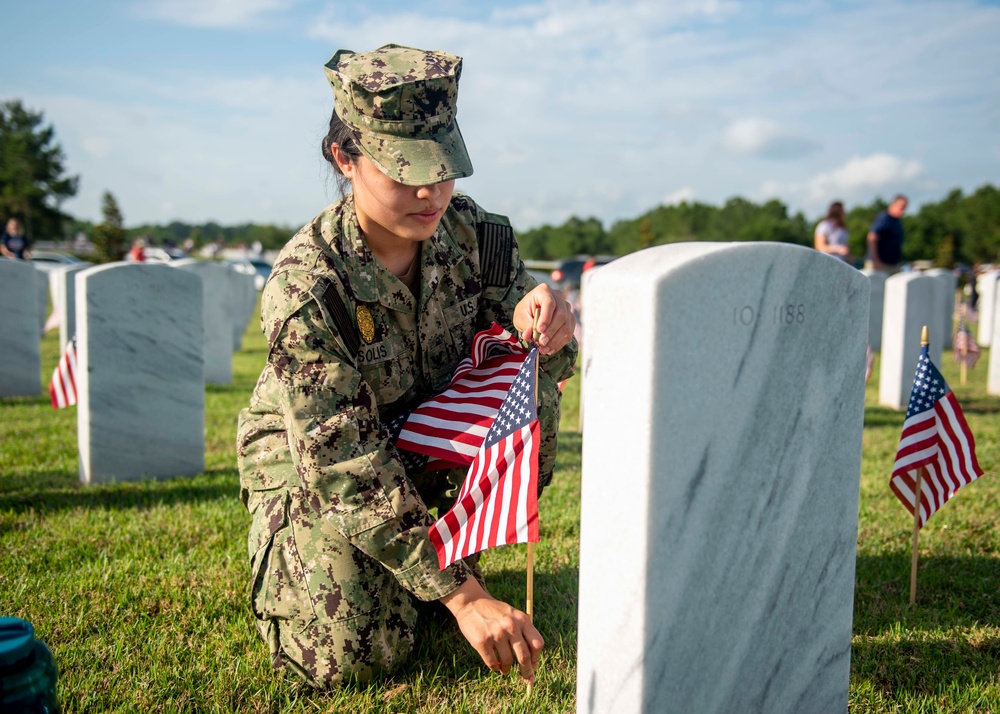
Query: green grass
x=140 y=589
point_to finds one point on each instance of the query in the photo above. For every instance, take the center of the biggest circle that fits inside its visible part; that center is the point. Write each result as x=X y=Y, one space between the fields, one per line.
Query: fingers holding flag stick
x=543 y=317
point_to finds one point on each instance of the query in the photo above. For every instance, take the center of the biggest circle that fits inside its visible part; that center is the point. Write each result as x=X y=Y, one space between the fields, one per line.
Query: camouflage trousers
x=327 y=611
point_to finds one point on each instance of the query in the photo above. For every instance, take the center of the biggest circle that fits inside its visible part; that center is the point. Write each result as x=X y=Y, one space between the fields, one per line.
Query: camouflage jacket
x=316 y=418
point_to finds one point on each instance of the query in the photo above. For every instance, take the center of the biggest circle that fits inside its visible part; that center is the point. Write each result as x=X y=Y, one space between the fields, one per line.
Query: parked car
x=569 y=271
x=260 y=269
x=48 y=261
x=156 y=254
x=541 y=277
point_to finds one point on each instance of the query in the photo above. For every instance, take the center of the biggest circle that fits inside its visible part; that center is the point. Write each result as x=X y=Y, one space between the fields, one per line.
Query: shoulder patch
x=496 y=248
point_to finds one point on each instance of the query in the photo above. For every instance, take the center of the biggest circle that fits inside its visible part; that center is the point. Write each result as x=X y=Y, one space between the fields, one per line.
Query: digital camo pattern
x=338 y=542
x=402 y=104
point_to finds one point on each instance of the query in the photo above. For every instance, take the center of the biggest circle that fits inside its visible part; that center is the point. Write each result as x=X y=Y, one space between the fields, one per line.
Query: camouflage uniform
x=339 y=542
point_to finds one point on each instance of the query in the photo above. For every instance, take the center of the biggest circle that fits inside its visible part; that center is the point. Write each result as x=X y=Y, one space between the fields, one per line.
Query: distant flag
x=62 y=388
x=498 y=503
x=937 y=438
x=449 y=428
x=964 y=346
x=869 y=362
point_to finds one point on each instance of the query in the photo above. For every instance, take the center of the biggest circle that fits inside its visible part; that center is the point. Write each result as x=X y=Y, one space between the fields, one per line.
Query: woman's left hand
x=555 y=325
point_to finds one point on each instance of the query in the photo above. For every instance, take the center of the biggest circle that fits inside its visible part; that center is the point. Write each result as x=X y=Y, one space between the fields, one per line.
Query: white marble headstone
x=42 y=298
x=993 y=377
x=877 y=278
x=945 y=298
x=141 y=408
x=217 y=319
x=244 y=299
x=987 y=287
x=66 y=293
x=909 y=305
x=724 y=386
x=20 y=342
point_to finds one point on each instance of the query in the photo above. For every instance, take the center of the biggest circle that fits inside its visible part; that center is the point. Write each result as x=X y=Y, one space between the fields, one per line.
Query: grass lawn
x=140 y=589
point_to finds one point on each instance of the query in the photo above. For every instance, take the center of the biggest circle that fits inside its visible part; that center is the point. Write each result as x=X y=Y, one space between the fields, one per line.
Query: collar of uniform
x=439 y=254
x=353 y=247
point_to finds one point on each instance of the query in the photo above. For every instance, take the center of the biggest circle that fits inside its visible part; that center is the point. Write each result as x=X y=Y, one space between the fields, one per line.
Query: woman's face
x=391 y=213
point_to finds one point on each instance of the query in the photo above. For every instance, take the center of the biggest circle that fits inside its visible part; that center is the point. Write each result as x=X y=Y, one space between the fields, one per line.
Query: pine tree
x=109 y=236
x=32 y=175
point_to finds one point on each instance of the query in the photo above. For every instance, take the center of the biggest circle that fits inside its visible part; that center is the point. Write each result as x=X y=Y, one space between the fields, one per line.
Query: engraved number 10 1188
x=786 y=314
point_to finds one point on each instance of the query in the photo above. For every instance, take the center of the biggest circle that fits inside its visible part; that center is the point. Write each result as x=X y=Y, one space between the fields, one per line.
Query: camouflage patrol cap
x=401 y=102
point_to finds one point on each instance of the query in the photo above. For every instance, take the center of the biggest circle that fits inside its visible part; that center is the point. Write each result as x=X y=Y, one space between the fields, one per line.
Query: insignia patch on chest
x=365 y=324
x=496 y=246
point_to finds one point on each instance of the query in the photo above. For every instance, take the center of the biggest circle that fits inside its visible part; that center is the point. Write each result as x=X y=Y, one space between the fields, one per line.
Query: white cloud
x=685 y=194
x=865 y=175
x=860 y=179
x=96 y=146
x=765 y=139
x=212 y=13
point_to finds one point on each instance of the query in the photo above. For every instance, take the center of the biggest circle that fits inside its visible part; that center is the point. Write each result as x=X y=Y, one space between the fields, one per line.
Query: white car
x=47 y=261
x=259 y=269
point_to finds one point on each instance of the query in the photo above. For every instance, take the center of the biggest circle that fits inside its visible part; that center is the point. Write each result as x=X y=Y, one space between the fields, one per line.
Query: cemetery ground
x=140 y=589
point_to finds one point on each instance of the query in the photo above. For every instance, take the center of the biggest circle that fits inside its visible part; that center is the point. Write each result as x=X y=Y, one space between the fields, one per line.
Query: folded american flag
x=62 y=387
x=450 y=427
x=498 y=502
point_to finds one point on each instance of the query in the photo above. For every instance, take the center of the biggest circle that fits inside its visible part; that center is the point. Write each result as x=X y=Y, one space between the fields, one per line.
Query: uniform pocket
x=387 y=367
x=277 y=583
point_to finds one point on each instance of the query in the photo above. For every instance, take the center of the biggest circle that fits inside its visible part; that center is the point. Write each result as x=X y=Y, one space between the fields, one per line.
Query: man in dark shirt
x=885 y=238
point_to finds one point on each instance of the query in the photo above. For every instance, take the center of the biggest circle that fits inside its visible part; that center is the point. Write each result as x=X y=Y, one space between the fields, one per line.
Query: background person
x=831 y=235
x=369 y=309
x=137 y=253
x=885 y=238
x=14 y=243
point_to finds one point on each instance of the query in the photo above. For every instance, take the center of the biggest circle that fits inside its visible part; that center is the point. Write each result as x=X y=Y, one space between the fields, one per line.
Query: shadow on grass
x=883 y=416
x=569 y=449
x=34 y=400
x=61 y=492
x=951 y=592
x=930 y=668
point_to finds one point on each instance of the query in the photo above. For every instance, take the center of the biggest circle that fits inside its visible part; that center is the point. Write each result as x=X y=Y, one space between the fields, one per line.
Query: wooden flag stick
x=964 y=351
x=917 y=495
x=529 y=607
x=916 y=536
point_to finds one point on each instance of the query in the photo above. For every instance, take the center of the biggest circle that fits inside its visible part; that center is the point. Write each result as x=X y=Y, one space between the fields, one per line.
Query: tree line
x=960 y=229
x=33 y=184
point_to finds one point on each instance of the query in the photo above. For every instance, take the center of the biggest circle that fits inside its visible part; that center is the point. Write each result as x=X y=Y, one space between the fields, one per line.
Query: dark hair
x=835 y=213
x=899 y=197
x=344 y=137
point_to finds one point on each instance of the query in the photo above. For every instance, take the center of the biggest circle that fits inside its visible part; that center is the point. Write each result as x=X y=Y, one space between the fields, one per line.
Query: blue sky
x=201 y=110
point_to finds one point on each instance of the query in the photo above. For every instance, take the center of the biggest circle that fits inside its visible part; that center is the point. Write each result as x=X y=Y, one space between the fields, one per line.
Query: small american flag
x=936 y=437
x=964 y=346
x=62 y=387
x=450 y=427
x=498 y=503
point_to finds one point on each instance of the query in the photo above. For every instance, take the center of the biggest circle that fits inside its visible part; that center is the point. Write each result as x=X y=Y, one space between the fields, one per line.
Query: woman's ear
x=343 y=162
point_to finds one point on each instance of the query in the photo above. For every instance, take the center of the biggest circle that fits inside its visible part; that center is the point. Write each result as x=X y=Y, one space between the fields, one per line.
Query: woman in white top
x=831 y=235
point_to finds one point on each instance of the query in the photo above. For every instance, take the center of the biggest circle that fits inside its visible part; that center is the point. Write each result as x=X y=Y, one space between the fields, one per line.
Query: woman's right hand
x=500 y=633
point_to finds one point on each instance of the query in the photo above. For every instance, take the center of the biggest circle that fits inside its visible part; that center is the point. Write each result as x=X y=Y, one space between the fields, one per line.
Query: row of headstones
x=148 y=338
x=903 y=303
